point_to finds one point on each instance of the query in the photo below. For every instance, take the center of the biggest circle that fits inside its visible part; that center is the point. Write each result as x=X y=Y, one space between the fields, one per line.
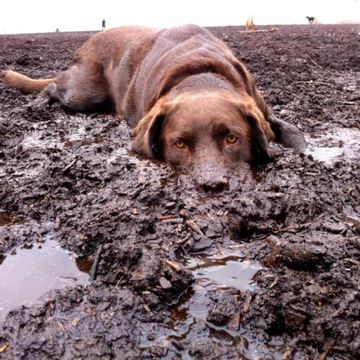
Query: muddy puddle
x=29 y=271
x=225 y=270
x=227 y=275
x=38 y=140
x=335 y=144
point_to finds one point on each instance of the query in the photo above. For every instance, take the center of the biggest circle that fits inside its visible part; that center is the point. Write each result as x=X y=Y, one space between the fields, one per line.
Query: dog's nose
x=211 y=177
x=216 y=184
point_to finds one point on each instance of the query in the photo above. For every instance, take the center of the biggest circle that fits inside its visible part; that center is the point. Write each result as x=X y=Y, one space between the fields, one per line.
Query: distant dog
x=311 y=19
x=189 y=100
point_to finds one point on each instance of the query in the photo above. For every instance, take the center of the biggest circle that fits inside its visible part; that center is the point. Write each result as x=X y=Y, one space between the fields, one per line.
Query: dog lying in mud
x=188 y=99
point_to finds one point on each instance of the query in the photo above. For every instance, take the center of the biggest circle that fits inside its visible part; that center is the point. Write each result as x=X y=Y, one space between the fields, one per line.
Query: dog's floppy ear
x=286 y=134
x=147 y=134
x=261 y=132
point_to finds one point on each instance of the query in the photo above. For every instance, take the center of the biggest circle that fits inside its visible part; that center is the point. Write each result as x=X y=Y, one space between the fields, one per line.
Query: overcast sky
x=29 y=16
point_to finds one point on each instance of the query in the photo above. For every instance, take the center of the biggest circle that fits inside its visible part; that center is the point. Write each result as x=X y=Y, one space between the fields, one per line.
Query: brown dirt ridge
x=297 y=220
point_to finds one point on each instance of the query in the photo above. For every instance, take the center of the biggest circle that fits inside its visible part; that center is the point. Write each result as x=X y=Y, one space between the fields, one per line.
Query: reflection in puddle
x=38 y=140
x=28 y=272
x=229 y=271
x=119 y=153
x=212 y=272
x=189 y=315
x=336 y=143
x=326 y=154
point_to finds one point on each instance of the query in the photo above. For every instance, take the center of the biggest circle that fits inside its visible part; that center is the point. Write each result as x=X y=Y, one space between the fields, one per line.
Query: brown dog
x=189 y=100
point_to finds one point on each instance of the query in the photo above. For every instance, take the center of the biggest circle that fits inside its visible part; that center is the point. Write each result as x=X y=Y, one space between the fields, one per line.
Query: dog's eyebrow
x=220 y=127
x=225 y=128
x=188 y=136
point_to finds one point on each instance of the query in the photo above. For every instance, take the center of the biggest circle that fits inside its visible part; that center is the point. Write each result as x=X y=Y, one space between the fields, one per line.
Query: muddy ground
x=292 y=228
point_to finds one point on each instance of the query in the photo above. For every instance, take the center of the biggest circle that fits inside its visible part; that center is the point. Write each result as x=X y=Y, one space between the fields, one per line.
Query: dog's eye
x=180 y=144
x=231 y=139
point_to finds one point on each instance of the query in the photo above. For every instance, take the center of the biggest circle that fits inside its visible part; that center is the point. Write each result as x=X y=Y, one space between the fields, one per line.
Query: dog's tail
x=24 y=83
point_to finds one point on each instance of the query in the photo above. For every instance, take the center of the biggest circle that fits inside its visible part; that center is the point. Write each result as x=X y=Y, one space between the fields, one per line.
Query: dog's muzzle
x=211 y=176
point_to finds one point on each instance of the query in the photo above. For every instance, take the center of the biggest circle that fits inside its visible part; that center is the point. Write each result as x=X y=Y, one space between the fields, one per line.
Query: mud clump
x=71 y=177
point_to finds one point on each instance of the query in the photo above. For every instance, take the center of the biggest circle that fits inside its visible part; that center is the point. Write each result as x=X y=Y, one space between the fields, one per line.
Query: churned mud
x=114 y=256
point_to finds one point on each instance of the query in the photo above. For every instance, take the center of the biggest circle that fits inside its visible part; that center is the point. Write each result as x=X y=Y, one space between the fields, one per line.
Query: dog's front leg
x=287 y=134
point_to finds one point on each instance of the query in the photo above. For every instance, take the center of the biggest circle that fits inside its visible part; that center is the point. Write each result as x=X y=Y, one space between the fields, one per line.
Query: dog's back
x=177 y=53
x=133 y=66
x=115 y=46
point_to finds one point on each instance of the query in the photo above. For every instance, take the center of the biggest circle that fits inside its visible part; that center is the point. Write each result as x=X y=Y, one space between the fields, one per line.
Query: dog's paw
x=287 y=134
x=40 y=103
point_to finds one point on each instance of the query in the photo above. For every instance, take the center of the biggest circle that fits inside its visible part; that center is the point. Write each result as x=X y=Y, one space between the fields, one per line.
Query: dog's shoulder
x=122 y=34
x=111 y=45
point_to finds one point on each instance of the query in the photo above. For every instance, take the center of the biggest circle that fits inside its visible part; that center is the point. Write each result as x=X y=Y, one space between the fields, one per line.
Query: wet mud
x=267 y=269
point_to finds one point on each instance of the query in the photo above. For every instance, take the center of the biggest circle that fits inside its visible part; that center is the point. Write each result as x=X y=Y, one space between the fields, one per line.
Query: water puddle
x=119 y=153
x=230 y=269
x=30 y=271
x=37 y=140
x=225 y=271
x=76 y=143
x=337 y=143
x=212 y=272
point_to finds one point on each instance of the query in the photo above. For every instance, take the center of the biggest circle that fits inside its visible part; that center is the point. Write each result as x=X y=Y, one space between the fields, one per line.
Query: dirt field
x=269 y=269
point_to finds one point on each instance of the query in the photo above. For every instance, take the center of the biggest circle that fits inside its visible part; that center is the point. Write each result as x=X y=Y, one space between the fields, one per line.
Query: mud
x=267 y=269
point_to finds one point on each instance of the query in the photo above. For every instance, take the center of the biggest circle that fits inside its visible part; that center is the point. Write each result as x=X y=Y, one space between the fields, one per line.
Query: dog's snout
x=211 y=177
x=215 y=185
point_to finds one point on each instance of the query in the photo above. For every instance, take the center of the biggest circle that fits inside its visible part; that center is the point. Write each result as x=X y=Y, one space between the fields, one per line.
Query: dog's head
x=209 y=132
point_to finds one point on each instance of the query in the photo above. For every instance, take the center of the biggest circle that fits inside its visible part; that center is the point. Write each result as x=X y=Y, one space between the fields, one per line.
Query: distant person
x=311 y=19
x=103 y=27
